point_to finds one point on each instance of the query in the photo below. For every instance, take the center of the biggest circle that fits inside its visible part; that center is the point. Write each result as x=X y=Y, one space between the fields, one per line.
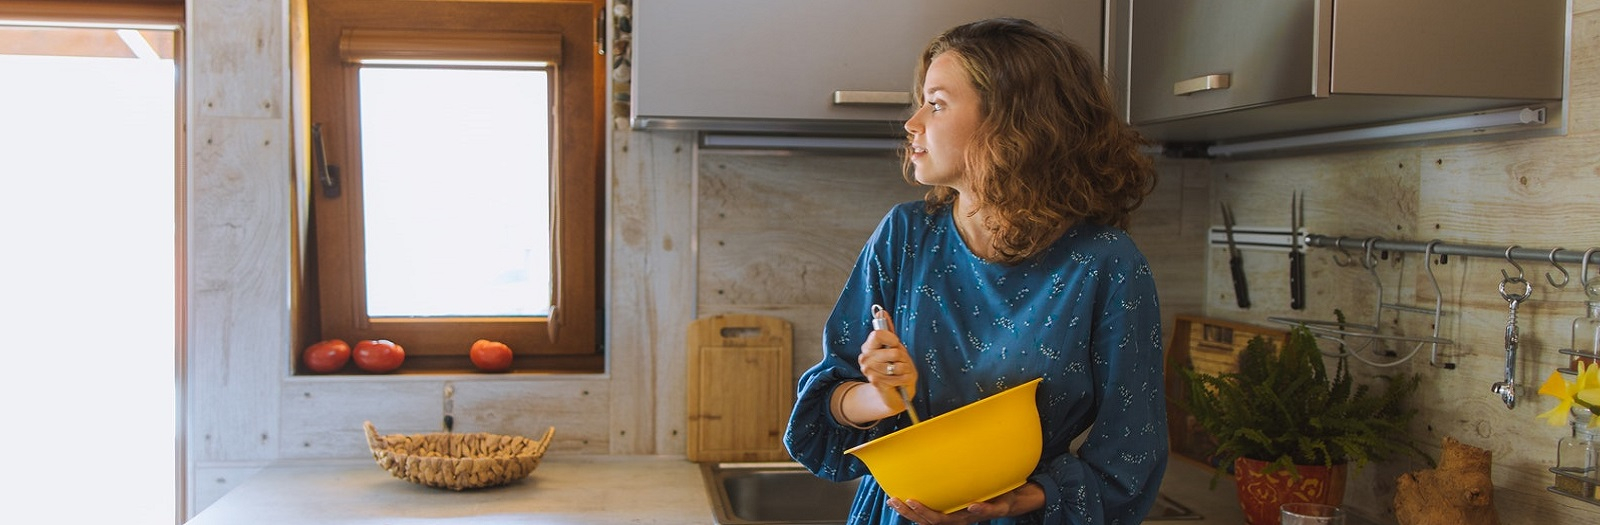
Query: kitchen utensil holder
x=1555 y=257
x=1369 y=334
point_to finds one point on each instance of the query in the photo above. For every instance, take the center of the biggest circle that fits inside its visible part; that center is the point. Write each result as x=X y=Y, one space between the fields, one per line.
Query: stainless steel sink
x=781 y=493
x=773 y=493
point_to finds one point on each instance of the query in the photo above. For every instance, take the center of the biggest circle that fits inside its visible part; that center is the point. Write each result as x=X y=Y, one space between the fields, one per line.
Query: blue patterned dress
x=1082 y=314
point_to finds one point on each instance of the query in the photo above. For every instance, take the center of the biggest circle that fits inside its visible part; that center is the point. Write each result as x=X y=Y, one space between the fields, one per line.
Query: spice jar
x=1586 y=335
x=1578 y=460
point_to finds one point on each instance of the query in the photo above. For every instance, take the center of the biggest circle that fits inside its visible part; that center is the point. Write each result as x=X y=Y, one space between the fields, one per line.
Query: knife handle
x=1297 y=280
x=1241 y=289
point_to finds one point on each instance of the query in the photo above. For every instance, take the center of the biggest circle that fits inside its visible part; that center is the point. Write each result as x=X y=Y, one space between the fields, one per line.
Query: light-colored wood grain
x=527 y=408
x=1532 y=192
x=739 y=397
x=236 y=315
x=322 y=416
x=780 y=230
x=650 y=290
x=807 y=322
x=238 y=52
x=237 y=243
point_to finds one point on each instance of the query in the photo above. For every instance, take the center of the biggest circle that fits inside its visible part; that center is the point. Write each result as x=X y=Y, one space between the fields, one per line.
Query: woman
x=1014 y=267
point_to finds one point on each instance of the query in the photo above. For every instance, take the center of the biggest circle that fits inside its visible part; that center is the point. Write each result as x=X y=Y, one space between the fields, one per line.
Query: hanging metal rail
x=1555 y=256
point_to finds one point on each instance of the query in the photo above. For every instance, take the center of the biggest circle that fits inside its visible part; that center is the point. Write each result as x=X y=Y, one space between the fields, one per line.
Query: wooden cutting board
x=740 y=390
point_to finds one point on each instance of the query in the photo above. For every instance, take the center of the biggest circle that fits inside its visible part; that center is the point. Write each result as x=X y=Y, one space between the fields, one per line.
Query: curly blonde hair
x=1050 y=149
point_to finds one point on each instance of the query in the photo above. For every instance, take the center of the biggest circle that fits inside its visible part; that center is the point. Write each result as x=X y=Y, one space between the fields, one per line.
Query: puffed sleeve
x=1117 y=472
x=814 y=437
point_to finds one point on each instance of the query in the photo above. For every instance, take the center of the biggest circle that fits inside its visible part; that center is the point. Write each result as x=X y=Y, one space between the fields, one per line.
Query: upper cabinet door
x=812 y=65
x=1195 y=57
x=1204 y=71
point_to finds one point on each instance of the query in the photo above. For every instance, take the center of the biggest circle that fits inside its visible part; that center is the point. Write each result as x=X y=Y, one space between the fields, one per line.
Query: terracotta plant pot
x=1261 y=495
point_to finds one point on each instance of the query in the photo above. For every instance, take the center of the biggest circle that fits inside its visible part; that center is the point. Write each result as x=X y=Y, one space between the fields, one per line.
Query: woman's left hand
x=1013 y=503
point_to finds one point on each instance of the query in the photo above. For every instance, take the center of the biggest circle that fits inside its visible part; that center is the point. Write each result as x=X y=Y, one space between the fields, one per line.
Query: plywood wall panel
x=322 y=417
x=239 y=59
x=239 y=268
x=1381 y=202
x=650 y=289
x=528 y=407
x=786 y=229
x=237 y=242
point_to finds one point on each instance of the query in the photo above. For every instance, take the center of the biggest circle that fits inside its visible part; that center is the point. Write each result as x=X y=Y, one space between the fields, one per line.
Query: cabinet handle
x=871 y=98
x=1202 y=83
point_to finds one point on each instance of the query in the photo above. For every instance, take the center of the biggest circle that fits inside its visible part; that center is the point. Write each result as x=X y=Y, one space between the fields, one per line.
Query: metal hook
x=1427 y=264
x=1368 y=261
x=1438 y=302
x=1583 y=274
x=1348 y=259
x=1565 y=278
x=1520 y=274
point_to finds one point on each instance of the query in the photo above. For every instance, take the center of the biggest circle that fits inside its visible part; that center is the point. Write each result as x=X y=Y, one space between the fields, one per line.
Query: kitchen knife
x=1241 y=288
x=1297 y=258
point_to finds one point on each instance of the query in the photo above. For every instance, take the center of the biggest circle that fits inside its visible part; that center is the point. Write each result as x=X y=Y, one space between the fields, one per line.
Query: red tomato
x=491 y=356
x=379 y=356
x=326 y=356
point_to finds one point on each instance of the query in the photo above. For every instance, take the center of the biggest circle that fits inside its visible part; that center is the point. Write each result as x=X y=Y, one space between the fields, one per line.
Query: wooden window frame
x=341 y=33
x=125 y=13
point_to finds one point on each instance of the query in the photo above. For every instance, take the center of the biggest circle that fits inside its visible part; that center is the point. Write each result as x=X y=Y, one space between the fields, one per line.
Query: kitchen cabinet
x=1225 y=69
x=827 y=66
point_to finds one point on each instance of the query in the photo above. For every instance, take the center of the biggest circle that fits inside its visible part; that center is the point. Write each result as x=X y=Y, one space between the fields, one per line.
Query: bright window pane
x=456 y=178
x=87 y=223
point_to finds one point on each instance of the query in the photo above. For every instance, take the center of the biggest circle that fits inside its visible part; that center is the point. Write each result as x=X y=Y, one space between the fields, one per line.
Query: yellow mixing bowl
x=969 y=454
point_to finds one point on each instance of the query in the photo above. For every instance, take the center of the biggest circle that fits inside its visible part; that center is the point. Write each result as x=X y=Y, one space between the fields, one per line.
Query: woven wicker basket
x=457 y=461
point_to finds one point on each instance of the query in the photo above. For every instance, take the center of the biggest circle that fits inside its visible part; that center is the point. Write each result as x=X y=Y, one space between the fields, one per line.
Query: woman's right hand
x=887 y=365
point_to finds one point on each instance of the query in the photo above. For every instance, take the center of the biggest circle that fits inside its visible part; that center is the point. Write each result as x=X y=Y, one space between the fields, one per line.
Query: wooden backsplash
x=1537 y=193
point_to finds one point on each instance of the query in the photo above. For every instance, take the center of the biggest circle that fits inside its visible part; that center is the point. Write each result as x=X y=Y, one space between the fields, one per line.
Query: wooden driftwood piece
x=1459 y=492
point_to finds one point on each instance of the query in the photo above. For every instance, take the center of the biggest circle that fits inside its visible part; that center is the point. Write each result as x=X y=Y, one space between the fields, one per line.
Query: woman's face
x=941 y=129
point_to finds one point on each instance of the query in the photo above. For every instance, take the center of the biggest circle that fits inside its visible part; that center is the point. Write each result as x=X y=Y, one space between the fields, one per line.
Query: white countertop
x=563 y=490
x=578 y=489
x=1188 y=483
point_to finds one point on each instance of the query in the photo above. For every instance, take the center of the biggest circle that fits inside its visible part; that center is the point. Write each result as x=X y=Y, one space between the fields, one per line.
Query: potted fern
x=1289 y=429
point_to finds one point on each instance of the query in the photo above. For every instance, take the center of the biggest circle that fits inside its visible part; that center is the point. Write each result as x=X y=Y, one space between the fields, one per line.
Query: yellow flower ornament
x=1583 y=391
